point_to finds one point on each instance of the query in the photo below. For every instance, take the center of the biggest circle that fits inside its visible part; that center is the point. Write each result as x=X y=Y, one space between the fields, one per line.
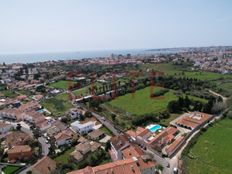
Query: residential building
x=16 y=138
x=96 y=135
x=82 y=128
x=19 y=153
x=44 y=166
x=76 y=156
x=118 y=143
x=134 y=165
x=12 y=114
x=173 y=147
x=65 y=137
x=193 y=120
x=55 y=128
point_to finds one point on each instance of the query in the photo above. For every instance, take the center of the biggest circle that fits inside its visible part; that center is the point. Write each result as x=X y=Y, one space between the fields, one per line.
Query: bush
x=144 y=119
x=160 y=93
x=229 y=115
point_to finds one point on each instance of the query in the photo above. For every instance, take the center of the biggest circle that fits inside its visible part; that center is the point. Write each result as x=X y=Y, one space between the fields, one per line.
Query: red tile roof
x=193 y=119
x=127 y=166
x=44 y=166
x=172 y=147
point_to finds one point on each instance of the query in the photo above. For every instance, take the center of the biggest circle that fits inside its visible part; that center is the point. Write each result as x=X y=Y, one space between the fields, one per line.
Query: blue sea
x=41 y=57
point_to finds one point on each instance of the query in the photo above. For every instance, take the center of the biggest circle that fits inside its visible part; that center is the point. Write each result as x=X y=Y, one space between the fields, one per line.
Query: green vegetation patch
x=64 y=158
x=58 y=105
x=62 y=84
x=180 y=71
x=10 y=169
x=141 y=103
x=212 y=153
x=9 y=93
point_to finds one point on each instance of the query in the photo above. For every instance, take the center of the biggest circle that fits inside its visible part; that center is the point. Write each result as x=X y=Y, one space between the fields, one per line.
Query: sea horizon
x=73 y=55
x=68 y=55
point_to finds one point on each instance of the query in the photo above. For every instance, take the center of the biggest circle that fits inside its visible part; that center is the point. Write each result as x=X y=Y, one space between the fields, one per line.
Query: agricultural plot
x=212 y=152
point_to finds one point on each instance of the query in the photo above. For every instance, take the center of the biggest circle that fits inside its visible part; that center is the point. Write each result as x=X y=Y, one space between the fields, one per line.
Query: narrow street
x=45 y=146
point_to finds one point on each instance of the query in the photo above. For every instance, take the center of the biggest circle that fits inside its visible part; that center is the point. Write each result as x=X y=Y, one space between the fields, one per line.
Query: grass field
x=170 y=69
x=62 y=84
x=212 y=153
x=85 y=90
x=141 y=103
x=58 y=105
x=10 y=169
x=64 y=158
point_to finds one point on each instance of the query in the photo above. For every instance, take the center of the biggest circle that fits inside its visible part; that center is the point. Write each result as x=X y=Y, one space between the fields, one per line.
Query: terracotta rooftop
x=193 y=119
x=44 y=166
x=96 y=133
x=127 y=166
x=133 y=133
x=119 y=141
x=17 y=138
x=19 y=149
x=132 y=151
x=172 y=147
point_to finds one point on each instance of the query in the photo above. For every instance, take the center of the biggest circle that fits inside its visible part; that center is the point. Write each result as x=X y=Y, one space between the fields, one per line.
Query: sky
x=35 y=26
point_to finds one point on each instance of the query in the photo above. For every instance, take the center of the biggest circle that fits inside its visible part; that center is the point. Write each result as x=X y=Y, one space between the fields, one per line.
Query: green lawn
x=62 y=84
x=141 y=102
x=212 y=154
x=64 y=158
x=226 y=86
x=166 y=122
x=106 y=131
x=10 y=169
x=85 y=90
x=58 y=105
x=82 y=92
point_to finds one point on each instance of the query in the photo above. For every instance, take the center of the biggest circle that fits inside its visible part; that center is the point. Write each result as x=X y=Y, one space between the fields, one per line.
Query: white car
x=175 y=170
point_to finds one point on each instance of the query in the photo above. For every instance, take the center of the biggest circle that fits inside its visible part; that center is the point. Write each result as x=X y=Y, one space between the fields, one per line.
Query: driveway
x=45 y=146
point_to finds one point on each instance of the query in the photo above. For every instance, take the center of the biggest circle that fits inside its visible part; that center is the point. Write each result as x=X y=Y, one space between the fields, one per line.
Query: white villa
x=82 y=128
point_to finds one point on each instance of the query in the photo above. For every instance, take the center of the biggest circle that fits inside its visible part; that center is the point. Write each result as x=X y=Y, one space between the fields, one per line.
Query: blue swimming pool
x=154 y=128
x=41 y=111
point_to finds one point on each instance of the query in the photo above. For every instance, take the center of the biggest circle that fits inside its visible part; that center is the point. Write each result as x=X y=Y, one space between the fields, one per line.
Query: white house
x=82 y=128
x=4 y=127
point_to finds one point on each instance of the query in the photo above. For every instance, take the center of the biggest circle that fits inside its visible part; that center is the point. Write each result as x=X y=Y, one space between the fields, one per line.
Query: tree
x=18 y=127
x=88 y=114
x=41 y=88
x=229 y=115
x=113 y=116
x=107 y=146
x=159 y=167
x=173 y=106
x=218 y=107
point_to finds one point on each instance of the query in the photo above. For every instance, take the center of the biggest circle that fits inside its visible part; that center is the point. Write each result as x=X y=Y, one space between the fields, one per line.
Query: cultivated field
x=212 y=153
x=170 y=69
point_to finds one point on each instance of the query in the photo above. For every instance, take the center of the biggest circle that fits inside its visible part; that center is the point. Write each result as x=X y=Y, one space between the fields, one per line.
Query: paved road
x=103 y=121
x=45 y=146
x=106 y=123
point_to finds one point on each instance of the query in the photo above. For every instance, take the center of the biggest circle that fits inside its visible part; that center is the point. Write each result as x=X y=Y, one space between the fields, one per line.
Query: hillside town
x=57 y=119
